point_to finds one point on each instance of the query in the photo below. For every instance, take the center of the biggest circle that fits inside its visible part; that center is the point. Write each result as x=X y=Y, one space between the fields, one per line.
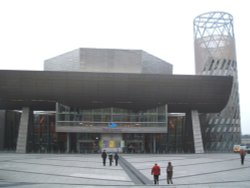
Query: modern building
x=119 y=100
x=215 y=54
x=245 y=140
x=129 y=101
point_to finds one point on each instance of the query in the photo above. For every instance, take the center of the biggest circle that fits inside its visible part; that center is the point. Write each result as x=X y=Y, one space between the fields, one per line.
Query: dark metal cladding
x=40 y=90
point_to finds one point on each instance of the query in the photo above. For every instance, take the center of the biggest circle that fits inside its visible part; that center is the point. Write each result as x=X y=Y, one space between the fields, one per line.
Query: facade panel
x=66 y=62
x=108 y=60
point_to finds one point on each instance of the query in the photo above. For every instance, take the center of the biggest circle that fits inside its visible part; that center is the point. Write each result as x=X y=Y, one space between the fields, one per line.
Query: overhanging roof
x=40 y=90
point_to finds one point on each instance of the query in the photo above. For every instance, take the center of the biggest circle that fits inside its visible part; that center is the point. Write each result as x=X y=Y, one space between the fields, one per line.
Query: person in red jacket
x=156 y=172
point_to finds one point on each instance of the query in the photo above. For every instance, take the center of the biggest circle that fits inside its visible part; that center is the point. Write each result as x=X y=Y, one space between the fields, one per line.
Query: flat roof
x=40 y=90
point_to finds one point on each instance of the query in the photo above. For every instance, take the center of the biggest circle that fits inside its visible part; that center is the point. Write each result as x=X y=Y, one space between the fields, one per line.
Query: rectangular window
x=217 y=64
x=211 y=65
x=223 y=64
x=228 y=64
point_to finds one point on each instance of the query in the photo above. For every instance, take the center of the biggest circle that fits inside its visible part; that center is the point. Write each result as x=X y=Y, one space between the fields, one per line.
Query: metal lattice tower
x=215 y=54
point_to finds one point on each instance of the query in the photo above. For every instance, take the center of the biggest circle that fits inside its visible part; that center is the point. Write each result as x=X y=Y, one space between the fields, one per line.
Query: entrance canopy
x=40 y=90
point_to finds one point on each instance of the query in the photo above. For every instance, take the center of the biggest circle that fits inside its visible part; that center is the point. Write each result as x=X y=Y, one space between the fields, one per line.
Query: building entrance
x=117 y=142
x=88 y=142
x=88 y=147
x=111 y=142
x=134 y=143
x=145 y=143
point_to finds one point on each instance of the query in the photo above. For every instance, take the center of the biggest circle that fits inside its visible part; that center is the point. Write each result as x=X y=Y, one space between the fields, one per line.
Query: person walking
x=169 y=171
x=156 y=172
x=242 y=155
x=104 y=157
x=110 y=159
x=116 y=158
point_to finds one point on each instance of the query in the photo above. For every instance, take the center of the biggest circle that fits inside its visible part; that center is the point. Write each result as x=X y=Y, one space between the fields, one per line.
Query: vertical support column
x=23 y=131
x=166 y=114
x=198 y=144
x=154 y=144
x=2 y=128
x=77 y=142
x=57 y=114
x=68 y=142
x=166 y=120
x=111 y=114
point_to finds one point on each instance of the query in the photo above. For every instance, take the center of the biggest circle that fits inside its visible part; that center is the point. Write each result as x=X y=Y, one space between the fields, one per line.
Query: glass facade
x=43 y=138
x=12 y=120
x=114 y=129
x=180 y=139
x=103 y=117
x=42 y=135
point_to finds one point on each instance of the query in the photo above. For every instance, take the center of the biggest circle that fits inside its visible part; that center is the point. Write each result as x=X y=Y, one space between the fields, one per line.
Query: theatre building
x=89 y=99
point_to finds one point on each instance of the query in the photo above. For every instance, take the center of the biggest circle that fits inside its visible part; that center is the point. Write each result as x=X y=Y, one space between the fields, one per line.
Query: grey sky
x=35 y=30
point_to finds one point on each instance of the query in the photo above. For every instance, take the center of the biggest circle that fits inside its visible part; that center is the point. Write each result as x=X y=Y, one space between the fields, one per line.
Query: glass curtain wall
x=42 y=136
x=68 y=116
x=11 y=129
x=180 y=139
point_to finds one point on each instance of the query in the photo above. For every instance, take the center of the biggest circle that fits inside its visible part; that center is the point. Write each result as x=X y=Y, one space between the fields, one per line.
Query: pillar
x=23 y=131
x=154 y=144
x=198 y=143
x=68 y=143
x=2 y=128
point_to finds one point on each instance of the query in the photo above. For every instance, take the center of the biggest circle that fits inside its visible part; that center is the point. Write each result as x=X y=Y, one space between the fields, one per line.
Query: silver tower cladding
x=215 y=54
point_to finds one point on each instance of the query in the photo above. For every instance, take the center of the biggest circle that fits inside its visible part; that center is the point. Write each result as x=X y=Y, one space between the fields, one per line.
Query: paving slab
x=87 y=170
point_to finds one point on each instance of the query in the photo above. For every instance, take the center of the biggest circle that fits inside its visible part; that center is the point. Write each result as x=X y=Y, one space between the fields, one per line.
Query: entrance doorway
x=134 y=143
x=88 y=147
x=88 y=142
x=111 y=142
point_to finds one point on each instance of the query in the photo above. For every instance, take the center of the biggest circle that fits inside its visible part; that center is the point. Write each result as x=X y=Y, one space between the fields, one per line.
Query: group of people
x=110 y=156
x=156 y=172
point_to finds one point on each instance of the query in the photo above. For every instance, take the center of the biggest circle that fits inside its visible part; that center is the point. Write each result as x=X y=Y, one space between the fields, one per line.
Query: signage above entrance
x=112 y=125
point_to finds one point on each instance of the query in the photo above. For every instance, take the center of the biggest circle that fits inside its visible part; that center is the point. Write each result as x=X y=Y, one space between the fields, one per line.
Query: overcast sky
x=34 y=30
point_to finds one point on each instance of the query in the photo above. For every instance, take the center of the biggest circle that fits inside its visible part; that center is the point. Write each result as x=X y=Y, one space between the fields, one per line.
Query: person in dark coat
x=242 y=155
x=156 y=172
x=104 y=157
x=110 y=159
x=169 y=171
x=116 y=159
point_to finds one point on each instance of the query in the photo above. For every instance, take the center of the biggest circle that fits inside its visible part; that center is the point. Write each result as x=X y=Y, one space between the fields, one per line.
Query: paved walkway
x=86 y=170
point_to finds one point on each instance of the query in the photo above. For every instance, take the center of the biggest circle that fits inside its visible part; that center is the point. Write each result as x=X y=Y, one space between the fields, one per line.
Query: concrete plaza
x=87 y=170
